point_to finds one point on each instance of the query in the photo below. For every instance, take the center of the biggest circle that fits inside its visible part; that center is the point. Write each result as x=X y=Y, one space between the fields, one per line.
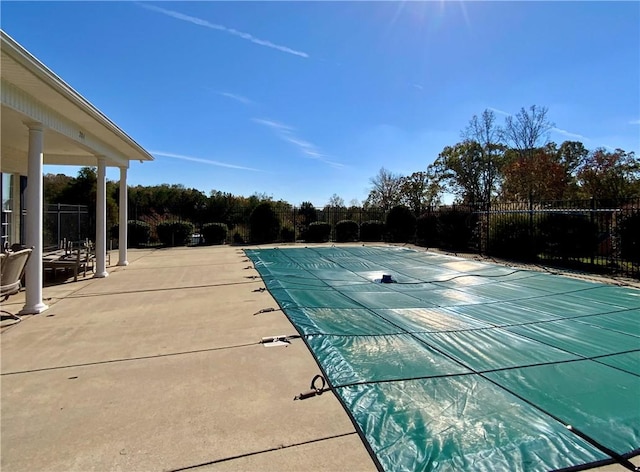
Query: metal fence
x=601 y=237
x=70 y=222
x=591 y=235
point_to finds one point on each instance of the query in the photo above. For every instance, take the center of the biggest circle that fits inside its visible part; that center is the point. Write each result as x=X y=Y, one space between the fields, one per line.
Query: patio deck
x=157 y=368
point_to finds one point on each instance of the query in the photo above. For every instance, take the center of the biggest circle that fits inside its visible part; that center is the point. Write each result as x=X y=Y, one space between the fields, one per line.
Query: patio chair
x=12 y=265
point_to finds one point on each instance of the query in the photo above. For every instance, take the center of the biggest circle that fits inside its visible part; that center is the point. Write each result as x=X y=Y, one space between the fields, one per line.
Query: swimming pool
x=466 y=365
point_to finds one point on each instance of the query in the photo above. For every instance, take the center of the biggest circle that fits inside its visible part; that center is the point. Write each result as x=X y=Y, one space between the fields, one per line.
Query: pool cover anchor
x=281 y=340
x=265 y=310
x=313 y=389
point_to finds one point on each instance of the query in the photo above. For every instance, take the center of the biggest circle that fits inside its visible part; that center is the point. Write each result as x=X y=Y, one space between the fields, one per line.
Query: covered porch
x=45 y=121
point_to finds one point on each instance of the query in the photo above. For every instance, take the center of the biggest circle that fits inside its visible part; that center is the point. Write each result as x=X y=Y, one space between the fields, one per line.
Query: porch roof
x=76 y=132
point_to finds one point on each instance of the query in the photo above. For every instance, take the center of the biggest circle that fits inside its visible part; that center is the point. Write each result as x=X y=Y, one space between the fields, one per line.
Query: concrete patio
x=158 y=367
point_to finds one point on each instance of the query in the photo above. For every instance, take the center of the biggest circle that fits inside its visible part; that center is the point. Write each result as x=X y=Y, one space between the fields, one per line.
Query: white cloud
x=499 y=112
x=286 y=133
x=231 y=31
x=634 y=122
x=273 y=124
x=236 y=97
x=202 y=161
x=568 y=134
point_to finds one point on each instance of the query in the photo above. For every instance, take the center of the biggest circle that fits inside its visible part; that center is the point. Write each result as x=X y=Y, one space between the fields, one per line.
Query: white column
x=101 y=220
x=33 y=224
x=16 y=211
x=123 y=226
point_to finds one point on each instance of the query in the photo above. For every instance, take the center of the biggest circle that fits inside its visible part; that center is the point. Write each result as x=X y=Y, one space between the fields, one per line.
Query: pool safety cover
x=455 y=364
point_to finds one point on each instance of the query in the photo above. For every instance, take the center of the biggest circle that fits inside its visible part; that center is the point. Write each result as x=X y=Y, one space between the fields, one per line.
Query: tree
x=460 y=168
x=542 y=177
x=418 y=192
x=336 y=201
x=527 y=130
x=610 y=175
x=385 y=191
x=308 y=213
x=55 y=187
x=484 y=131
x=571 y=156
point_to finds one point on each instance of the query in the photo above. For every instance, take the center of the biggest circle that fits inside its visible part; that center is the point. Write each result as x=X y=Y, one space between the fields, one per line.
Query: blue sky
x=301 y=100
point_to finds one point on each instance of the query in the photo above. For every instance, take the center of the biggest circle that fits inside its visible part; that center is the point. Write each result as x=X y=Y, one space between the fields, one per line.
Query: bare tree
x=483 y=131
x=527 y=130
x=336 y=201
x=385 y=191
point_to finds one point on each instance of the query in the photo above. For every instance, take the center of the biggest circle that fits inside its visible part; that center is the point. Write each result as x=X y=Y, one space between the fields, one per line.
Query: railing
x=65 y=222
x=601 y=237
x=588 y=235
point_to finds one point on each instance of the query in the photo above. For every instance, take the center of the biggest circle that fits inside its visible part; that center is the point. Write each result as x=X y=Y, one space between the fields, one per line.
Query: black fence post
x=532 y=246
x=592 y=215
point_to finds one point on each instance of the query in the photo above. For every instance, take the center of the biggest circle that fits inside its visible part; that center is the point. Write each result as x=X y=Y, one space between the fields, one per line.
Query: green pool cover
x=465 y=365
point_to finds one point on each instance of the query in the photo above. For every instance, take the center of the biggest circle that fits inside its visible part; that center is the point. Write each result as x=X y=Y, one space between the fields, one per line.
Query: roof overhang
x=76 y=132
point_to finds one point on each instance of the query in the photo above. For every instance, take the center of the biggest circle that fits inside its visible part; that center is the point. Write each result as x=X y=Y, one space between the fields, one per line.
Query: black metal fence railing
x=583 y=234
x=65 y=222
x=589 y=235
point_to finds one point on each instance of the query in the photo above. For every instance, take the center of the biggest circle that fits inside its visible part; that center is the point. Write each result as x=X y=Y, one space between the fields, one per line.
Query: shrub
x=371 y=230
x=346 y=230
x=427 y=230
x=513 y=236
x=238 y=239
x=174 y=233
x=214 y=233
x=288 y=235
x=318 y=232
x=264 y=224
x=628 y=232
x=568 y=236
x=455 y=228
x=401 y=224
x=138 y=232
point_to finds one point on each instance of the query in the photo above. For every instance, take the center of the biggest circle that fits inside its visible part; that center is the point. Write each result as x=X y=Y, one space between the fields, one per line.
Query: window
x=6 y=184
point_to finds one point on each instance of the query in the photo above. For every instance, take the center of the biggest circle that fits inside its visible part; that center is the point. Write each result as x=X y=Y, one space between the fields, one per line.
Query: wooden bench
x=76 y=260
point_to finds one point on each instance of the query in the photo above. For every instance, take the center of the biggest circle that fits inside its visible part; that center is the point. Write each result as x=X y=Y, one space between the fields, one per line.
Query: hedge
x=401 y=224
x=264 y=224
x=371 y=231
x=318 y=232
x=346 y=231
x=138 y=232
x=214 y=233
x=174 y=233
x=569 y=236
